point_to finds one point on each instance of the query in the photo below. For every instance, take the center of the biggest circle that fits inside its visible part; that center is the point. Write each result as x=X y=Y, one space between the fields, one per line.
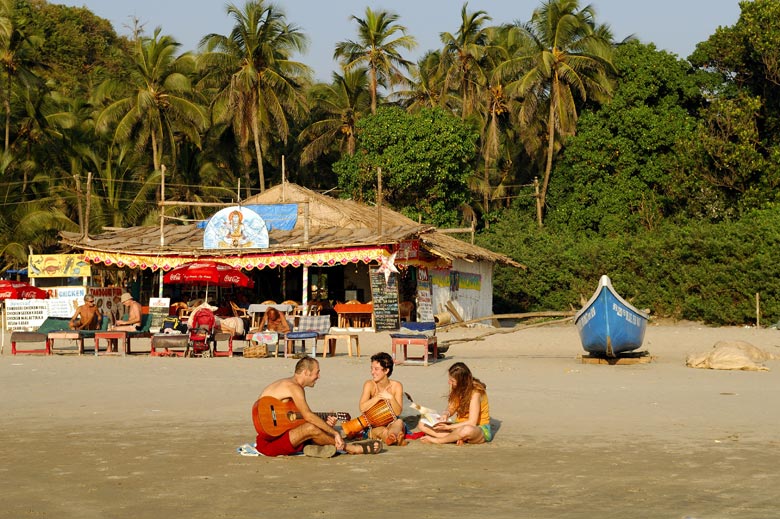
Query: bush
x=707 y=272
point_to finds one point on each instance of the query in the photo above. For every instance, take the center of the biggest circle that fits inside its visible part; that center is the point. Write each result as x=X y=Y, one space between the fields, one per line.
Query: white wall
x=474 y=296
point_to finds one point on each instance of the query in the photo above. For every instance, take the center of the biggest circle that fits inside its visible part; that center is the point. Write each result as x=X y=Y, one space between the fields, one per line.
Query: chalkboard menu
x=385 y=297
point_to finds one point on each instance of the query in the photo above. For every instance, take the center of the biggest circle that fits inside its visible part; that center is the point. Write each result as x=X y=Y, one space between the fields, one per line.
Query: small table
x=351 y=315
x=71 y=335
x=111 y=336
x=331 y=340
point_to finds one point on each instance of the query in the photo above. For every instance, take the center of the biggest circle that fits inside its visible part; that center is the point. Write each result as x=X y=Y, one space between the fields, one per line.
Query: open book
x=428 y=416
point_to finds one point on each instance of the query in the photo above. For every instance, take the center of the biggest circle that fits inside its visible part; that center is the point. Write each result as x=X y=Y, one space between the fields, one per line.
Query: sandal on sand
x=369 y=446
x=320 y=451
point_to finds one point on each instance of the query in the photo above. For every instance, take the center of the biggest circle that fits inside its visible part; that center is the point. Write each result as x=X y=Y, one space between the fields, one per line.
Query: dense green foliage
x=659 y=171
x=424 y=158
x=696 y=271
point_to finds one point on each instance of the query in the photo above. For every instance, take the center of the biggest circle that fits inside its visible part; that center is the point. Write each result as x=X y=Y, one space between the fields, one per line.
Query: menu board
x=158 y=310
x=424 y=296
x=385 y=298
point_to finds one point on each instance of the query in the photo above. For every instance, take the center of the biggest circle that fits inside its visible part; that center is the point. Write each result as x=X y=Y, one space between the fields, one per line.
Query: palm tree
x=257 y=82
x=569 y=55
x=462 y=54
x=161 y=101
x=377 y=51
x=17 y=59
x=426 y=88
x=341 y=104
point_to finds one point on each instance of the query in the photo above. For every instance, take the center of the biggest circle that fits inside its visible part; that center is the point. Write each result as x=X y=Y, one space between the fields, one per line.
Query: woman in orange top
x=468 y=402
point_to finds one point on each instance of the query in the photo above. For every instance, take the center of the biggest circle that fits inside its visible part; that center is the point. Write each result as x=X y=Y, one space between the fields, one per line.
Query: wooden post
x=88 y=205
x=162 y=223
x=758 y=310
x=78 y=205
x=379 y=201
x=306 y=223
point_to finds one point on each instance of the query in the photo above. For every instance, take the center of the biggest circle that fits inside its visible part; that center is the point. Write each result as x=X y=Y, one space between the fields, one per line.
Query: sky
x=672 y=25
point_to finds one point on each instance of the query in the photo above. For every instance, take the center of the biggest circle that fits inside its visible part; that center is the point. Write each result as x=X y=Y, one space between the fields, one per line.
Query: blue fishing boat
x=608 y=324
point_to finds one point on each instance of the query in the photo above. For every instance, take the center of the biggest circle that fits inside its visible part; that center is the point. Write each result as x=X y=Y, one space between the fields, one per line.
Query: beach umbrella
x=20 y=290
x=208 y=273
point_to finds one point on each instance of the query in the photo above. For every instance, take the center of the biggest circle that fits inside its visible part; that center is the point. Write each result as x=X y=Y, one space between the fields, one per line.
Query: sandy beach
x=137 y=437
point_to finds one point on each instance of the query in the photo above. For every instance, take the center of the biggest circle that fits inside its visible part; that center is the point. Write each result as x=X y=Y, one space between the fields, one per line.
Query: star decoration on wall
x=388 y=267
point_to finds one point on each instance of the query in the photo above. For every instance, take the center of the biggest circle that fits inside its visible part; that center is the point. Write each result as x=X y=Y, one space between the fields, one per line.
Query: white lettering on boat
x=629 y=316
x=587 y=316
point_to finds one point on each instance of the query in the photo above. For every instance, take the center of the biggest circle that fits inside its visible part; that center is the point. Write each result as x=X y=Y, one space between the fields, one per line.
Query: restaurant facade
x=301 y=245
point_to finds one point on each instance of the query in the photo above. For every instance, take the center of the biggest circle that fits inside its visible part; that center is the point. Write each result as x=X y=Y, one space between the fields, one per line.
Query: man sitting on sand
x=314 y=436
x=87 y=316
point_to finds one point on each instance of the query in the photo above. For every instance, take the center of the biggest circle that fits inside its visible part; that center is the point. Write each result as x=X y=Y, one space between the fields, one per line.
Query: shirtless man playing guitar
x=285 y=424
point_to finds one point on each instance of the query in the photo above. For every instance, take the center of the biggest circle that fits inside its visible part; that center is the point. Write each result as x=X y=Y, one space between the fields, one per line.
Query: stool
x=166 y=341
x=111 y=337
x=331 y=340
x=28 y=337
x=406 y=340
x=291 y=338
x=219 y=337
x=72 y=336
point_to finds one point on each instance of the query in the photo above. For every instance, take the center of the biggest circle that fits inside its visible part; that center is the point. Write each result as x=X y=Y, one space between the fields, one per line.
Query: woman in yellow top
x=468 y=402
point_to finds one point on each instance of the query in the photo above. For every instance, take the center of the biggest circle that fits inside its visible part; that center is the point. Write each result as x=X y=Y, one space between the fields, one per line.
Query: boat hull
x=608 y=325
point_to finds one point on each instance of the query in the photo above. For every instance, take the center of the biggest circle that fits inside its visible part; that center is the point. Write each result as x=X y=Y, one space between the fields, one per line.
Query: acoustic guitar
x=275 y=417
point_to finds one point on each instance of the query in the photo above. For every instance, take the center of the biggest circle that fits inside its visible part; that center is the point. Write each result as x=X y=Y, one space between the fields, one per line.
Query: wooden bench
x=41 y=335
x=418 y=335
x=314 y=327
x=77 y=335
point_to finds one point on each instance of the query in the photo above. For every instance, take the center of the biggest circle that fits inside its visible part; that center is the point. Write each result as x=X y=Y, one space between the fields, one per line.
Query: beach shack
x=301 y=245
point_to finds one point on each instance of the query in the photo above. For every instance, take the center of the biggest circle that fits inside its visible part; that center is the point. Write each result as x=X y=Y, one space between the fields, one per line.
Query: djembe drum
x=378 y=415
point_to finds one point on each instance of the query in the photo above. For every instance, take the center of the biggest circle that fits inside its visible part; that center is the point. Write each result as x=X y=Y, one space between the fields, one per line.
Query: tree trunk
x=7 y=106
x=155 y=157
x=550 y=149
x=373 y=90
x=258 y=150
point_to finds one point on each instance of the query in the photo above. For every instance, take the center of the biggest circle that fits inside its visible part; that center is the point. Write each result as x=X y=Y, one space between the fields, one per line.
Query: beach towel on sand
x=737 y=355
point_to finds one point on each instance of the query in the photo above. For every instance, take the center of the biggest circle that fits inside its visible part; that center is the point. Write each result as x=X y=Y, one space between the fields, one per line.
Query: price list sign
x=385 y=298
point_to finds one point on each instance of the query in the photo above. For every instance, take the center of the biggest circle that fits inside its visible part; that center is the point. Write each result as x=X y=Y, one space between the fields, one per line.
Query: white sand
x=132 y=437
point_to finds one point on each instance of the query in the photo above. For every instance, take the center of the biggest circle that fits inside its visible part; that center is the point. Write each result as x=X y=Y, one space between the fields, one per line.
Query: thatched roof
x=327 y=212
x=333 y=224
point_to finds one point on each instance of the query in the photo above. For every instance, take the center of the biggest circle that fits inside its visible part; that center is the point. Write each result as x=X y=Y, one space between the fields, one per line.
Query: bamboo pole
x=379 y=201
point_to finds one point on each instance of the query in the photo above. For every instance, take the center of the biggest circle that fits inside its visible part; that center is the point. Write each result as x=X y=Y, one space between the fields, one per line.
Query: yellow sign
x=57 y=266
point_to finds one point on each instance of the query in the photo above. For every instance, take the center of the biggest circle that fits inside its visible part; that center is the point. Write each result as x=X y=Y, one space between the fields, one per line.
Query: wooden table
x=111 y=336
x=331 y=339
x=70 y=336
x=355 y=315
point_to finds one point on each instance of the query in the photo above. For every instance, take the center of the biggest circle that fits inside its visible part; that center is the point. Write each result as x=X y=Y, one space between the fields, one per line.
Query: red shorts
x=276 y=445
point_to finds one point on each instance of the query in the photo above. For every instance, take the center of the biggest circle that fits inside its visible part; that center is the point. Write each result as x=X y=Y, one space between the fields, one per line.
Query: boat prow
x=608 y=324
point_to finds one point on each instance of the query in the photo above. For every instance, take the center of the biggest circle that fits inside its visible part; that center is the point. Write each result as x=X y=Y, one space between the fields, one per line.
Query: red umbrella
x=20 y=290
x=205 y=272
